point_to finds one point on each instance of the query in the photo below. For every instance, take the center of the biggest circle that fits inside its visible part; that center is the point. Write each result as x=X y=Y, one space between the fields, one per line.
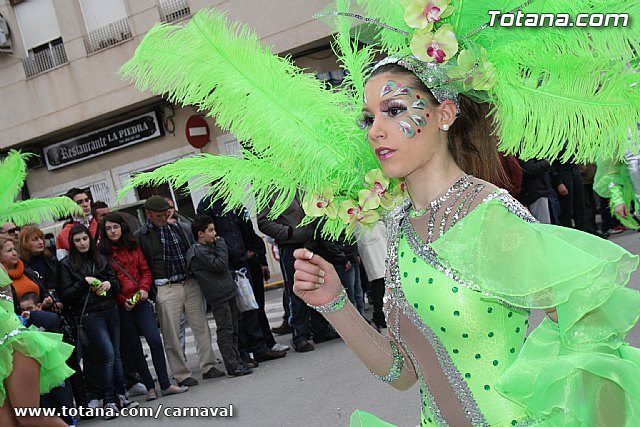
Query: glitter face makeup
x=404 y=90
x=407 y=129
x=388 y=87
x=399 y=104
x=420 y=104
x=418 y=120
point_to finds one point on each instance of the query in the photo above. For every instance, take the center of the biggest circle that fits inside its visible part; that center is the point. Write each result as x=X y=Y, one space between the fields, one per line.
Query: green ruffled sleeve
x=612 y=182
x=573 y=372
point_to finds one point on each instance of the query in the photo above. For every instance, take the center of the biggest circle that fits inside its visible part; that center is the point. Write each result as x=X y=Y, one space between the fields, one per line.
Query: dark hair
x=97 y=205
x=471 y=139
x=30 y=296
x=75 y=256
x=200 y=223
x=127 y=239
x=73 y=192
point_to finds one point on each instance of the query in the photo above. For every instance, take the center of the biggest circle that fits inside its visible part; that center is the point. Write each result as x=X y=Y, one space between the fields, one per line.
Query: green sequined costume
x=461 y=279
x=46 y=348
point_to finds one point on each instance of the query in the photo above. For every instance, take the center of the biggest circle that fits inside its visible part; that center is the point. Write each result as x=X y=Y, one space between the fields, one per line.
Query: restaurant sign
x=105 y=140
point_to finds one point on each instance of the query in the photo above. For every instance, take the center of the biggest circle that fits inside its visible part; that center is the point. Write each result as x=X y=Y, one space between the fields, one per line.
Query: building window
x=41 y=37
x=173 y=10
x=107 y=24
x=45 y=57
x=106 y=36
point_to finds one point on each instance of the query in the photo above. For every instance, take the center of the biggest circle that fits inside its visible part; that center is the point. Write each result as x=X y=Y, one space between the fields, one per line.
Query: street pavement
x=320 y=388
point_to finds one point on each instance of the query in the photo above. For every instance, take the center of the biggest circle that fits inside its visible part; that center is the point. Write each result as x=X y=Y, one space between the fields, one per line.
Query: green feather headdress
x=295 y=134
x=551 y=86
x=13 y=172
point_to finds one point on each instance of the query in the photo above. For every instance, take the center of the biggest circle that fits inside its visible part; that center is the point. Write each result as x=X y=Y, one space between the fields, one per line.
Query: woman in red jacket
x=136 y=312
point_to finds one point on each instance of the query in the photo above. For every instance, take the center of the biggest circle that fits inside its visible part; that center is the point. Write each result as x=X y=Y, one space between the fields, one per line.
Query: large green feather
x=13 y=171
x=554 y=84
x=389 y=12
x=354 y=60
x=289 y=124
x=34 y=211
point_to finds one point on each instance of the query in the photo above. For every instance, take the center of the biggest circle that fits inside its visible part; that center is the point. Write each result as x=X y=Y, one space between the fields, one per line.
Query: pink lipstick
x=384 y=153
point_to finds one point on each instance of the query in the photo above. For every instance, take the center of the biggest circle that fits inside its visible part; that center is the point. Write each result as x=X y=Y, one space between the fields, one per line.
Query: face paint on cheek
x=418 y=120
x=407 y=129
x=420 y=104
x=388 y=87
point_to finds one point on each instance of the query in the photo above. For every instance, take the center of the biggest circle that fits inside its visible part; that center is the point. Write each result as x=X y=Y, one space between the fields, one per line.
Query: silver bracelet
x=396 y=368
x=332 y=306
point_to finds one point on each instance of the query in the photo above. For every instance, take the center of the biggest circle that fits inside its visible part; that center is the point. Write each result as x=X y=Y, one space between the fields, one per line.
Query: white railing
x=109 y=35
x=39 y=62
x=172 y=10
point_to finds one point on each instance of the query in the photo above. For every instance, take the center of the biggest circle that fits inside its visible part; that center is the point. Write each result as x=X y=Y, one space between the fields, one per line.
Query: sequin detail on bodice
x=443 y=321
x=10 y=324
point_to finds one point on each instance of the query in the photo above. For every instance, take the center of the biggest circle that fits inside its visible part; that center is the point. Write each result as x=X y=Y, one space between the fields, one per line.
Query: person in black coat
x=89 y=286
x=535 y=190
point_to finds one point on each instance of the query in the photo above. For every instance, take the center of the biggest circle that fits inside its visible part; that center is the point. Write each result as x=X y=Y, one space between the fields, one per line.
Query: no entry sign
x=197 y=131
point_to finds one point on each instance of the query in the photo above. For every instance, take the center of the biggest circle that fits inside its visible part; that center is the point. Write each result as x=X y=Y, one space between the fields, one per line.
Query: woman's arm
x=317 y=283
x=143 y=268
x=108 y=274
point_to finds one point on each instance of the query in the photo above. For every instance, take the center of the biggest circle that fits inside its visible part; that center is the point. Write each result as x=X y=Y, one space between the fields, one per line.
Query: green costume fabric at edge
x=468 y=293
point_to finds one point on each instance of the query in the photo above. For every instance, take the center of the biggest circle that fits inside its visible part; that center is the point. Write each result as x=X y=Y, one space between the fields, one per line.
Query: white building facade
x=62 y=98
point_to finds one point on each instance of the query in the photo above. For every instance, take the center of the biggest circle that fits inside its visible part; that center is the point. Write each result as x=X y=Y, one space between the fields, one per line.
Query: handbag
x=245 y=299
x=153 y=290
x=81 y=333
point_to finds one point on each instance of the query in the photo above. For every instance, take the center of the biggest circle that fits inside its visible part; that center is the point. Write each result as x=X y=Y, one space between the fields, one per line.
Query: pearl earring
x=445 y=127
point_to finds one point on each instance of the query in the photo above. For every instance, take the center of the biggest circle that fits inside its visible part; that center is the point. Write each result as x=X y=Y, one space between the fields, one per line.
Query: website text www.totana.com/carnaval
x=522 y=19
x=143 y=412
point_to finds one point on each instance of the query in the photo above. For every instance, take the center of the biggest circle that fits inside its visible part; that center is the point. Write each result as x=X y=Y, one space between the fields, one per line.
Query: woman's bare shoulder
x=485 y=188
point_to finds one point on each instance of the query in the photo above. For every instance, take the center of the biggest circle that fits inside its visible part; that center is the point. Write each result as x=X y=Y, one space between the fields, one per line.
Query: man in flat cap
x=165 y=247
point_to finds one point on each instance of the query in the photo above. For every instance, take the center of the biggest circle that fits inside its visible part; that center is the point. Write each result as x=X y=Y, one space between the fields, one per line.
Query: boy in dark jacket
x=208 y=262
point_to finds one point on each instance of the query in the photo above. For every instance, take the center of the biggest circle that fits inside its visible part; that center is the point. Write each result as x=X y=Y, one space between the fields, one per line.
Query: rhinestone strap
x=332 y=306
x=11 y=335
x=396 y=368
